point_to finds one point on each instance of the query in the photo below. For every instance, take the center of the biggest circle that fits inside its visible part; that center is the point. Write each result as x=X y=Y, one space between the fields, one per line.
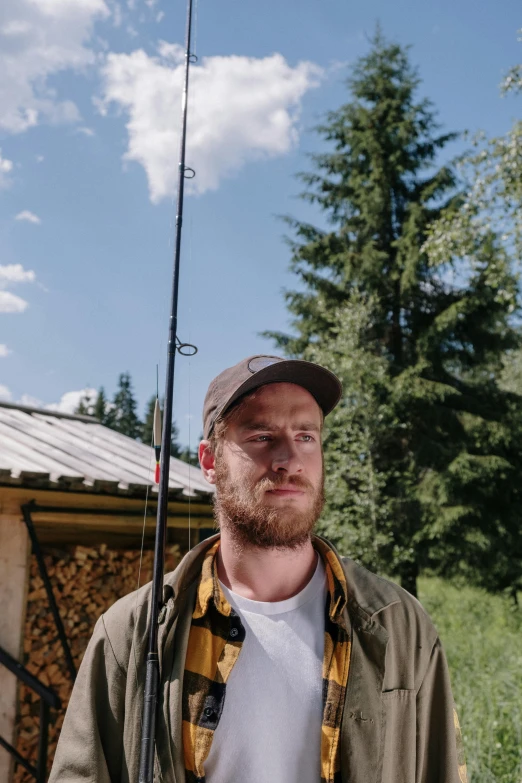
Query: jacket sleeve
x=440 y=756
x=90 y=747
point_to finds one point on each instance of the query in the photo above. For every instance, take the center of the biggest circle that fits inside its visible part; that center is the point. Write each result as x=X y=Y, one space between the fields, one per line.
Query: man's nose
x=285 y=458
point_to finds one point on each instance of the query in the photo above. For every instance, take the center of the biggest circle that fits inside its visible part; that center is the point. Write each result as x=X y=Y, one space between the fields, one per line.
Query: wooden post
x=14 y=578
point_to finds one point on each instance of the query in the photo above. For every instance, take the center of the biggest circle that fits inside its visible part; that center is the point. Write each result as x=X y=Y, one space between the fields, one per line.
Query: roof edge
x=56 y=414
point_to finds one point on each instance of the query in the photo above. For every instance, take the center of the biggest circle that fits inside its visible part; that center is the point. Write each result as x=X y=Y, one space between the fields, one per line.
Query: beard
x=239 y=508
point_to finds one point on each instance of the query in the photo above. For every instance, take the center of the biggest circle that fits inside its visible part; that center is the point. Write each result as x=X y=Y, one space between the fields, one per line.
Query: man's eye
x=265 y=438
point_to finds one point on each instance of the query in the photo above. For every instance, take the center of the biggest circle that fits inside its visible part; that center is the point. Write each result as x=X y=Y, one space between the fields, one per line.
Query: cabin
x=77 y=523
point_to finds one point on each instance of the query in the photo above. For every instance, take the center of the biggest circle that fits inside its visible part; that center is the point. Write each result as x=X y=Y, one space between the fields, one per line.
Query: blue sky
x=89 y=116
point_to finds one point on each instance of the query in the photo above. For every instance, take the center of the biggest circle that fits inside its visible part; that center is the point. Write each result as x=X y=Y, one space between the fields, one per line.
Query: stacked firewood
x=86 y=582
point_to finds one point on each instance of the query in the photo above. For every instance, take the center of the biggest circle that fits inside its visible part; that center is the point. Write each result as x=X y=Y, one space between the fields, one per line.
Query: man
x=281 y=662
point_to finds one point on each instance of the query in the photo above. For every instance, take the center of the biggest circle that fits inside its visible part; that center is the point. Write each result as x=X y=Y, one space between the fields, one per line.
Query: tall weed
x=482 y=637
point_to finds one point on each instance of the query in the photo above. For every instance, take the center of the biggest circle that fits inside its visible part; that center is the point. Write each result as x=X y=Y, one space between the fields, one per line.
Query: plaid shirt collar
x=210 y=590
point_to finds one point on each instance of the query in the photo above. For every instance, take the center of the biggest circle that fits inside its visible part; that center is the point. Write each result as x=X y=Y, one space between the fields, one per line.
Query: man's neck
x=264 y=574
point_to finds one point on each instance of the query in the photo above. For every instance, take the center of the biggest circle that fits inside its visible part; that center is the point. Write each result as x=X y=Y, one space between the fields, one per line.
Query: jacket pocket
x=399 y=736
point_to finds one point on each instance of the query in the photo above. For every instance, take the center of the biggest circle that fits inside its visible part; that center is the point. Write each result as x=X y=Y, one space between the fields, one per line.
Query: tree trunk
x=409 y=573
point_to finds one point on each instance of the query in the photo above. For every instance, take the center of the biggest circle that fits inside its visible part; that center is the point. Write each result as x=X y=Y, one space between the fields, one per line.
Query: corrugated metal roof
x=50 y=449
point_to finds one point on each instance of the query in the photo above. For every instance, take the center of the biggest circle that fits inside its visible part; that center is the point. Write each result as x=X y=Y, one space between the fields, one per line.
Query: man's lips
x=285 y=491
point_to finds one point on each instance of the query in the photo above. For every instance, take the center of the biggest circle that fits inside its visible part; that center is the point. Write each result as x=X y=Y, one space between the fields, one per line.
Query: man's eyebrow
x=266 y=426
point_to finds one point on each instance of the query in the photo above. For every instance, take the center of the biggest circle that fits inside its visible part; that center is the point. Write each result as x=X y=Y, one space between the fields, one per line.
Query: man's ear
x=207 y=461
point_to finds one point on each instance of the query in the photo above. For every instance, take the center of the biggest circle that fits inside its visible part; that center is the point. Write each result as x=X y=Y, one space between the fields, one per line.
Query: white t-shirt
x=270 y=728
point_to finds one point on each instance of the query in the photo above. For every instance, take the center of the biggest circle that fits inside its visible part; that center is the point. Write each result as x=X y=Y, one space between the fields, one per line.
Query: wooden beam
x=114 y=523
x=14 y=570
x=111 y=520
x=11 y=498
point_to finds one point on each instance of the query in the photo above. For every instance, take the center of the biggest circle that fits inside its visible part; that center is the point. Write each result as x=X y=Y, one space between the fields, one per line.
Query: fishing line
x=148 y=488
x=149 y=473
x=144 y=520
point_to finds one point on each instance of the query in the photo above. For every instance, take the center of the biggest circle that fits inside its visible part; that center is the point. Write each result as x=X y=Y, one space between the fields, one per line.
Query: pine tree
x=440 y=329
x=84 y=406
x=101 y=406
x=121 y=414
x=96 y=406
x=148 y=426
x=372 y=190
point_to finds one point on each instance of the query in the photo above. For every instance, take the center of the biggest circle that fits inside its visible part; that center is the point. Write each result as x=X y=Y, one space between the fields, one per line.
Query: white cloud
x=40 y=158
x=40 y=38
x=15 y=273
x=5 y=393
x=4 y=350
x=11 y=274
x=29 y=401
x=10 y=303
x=240 y=109
x=85 y=131
x=70 y=400
x=28 y=216
x=6 y=167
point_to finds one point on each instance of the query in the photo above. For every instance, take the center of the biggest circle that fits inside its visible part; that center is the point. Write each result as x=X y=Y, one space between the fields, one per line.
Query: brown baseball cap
x=255 y=371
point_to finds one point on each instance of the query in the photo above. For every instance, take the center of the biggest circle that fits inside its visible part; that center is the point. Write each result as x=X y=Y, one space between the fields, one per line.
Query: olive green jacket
x=399 y=724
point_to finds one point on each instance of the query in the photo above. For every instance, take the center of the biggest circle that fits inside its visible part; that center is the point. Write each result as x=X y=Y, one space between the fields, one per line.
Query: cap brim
x=322 y=384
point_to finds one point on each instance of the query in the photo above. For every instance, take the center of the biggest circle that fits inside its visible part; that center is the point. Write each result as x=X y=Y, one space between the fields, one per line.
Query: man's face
x=268 y=468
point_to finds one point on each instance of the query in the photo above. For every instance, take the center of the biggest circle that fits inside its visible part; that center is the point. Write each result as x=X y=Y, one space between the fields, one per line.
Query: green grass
x=482 y=637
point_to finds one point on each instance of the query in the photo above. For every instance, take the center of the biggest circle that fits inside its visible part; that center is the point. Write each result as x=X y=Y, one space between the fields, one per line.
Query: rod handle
x=150 y=704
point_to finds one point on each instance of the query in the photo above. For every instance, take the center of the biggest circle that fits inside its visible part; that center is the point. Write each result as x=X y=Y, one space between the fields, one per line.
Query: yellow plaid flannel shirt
x=215 y=641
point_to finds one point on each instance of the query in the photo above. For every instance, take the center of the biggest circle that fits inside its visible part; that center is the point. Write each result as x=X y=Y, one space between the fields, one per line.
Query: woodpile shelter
x=76 y=501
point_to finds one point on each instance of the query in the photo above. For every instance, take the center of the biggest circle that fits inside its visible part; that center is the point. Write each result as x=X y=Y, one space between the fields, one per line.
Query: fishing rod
x=150 y=703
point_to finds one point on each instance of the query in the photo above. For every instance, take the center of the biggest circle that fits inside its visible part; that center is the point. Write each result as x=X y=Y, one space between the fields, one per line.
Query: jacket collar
x=368 y=594
x=209 y=588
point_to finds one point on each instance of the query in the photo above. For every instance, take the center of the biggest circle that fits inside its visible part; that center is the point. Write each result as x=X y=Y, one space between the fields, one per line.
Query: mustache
x=276 y=482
